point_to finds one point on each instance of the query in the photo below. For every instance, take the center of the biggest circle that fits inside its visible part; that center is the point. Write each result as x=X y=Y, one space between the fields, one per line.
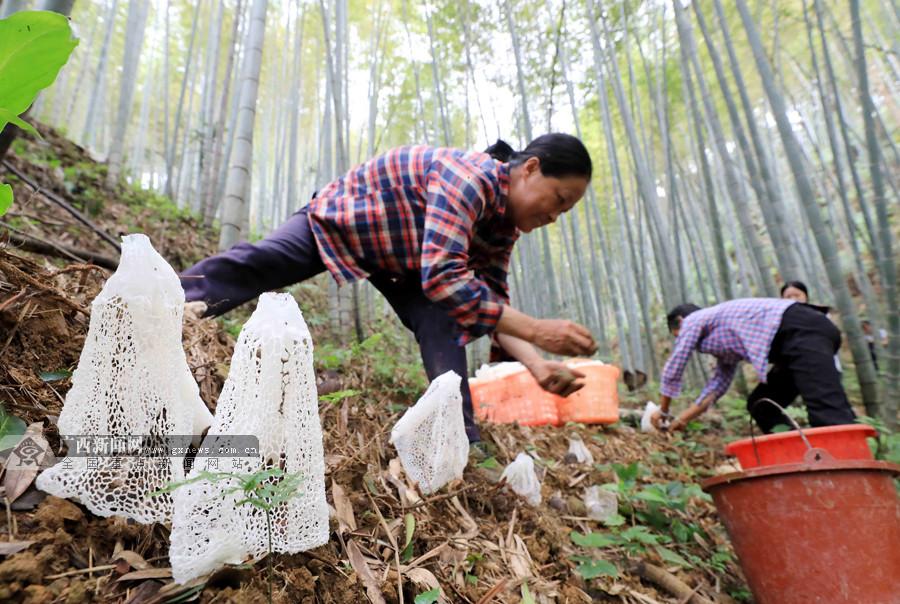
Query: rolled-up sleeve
x=685 y=343
x=453 y=206
x=720 y=381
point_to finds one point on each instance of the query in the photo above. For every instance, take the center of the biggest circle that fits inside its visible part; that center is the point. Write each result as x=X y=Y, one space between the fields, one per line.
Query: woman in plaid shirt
x=433 y=229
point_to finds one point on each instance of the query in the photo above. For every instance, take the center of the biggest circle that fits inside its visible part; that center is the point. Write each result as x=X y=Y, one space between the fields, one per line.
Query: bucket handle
x=790 y=419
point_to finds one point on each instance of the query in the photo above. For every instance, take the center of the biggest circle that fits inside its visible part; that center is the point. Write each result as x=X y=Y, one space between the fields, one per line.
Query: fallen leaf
x=29 y=500
x=24 y=461
x=21 y=376
x=469 y=525
x=8 y=548
x=343 y=508
x=361 y=566
x=144 y=593
x=519 y=559
x=134 y=559
x=55 y=376
x=426 y=556
x=423 y=578
x=147 y=573
x=173 y=592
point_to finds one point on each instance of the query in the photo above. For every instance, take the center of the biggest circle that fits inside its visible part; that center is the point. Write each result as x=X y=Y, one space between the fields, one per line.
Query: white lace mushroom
x=270 y=393
x=431 y=436
x=132 y=380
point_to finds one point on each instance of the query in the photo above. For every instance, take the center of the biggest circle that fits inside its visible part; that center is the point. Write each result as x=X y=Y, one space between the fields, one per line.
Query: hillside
x=475 y=540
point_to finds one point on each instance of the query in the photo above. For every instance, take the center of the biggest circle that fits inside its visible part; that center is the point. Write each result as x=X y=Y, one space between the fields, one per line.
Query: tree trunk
x=438 y=91
x=170 y=151
x=98 y=91
x=888 y=260
x=211 y=203
x=734 y=185
x=134 y=40
x=13 y=6
x=724 y=273
x=777 y=225
x=864 y=368
x=293 y=201
x=237 y=185
x=208 y=110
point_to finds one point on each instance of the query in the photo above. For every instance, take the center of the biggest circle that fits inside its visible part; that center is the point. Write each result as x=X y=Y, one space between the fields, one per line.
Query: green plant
x=741 y=594
x=55 y=376
x=720 y=560
x=650 y=518
x=886 y=445
x=336 y=397
x=428 y=597
x=471 y=560
x=527 y=598
x=265 y=489
x=590 y=568
x=410 y=524
x=10 y=425
x=380 y=358
x=34 y=45
x=489 y=463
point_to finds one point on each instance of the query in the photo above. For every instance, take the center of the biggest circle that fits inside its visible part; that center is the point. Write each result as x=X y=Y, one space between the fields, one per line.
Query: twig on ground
x=50 y=195
x=669 y=582
x=394 y=545
x=89 y=570
x=15 y=328
x=38 y=245
x=496 y=589
x=37 y=284
x=9 y=301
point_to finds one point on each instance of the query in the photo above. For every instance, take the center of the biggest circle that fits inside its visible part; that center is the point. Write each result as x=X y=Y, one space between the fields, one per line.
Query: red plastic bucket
x=842 y=442
x=823 y=531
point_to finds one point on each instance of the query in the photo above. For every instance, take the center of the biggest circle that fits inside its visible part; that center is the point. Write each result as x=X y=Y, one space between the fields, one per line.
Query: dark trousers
x=289 y=255
x=802 y=356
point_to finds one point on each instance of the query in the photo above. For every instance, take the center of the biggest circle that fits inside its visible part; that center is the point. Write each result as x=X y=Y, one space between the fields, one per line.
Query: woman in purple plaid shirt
x=432 y=229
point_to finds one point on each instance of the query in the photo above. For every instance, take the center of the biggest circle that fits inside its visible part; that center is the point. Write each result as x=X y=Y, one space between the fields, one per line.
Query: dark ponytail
x=560 y=155
x=501 y=151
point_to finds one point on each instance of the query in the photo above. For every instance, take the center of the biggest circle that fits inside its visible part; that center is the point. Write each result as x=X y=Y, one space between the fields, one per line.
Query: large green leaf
x=7 y=116
x=34 y=45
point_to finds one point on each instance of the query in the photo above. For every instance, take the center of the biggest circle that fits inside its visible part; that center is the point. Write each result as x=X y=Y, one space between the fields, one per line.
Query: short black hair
x=796 y=285
x=560 y=155
x=673 y=319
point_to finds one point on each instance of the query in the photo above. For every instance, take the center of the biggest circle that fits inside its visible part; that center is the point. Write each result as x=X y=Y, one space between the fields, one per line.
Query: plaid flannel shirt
x=437 y=212
x=734 y=331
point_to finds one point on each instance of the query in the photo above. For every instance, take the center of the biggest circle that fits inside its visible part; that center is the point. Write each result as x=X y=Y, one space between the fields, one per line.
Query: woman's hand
x=555 y=377
x=559 y=336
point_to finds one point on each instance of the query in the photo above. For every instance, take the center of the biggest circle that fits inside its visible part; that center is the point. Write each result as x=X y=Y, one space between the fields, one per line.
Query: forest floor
x=475 y=540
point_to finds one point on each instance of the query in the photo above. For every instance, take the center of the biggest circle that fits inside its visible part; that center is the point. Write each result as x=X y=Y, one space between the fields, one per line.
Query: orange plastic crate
x=598 y=401
x=518 y=397
x=513 y=398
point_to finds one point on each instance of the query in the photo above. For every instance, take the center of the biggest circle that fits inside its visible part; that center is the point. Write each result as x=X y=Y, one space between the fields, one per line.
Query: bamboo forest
x=397 y=301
